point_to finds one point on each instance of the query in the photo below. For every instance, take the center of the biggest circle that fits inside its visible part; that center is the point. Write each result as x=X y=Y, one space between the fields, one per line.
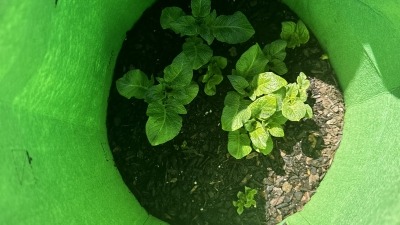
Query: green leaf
x=133 y=84
x=278 y=66
x=214 y=68
x=185 y=95
x=205 y=27
x=251 y=62
x=292 y=91
x=179 y=73
x=277 y=118
x=302 y=32
x=175 y=106
x=235 y=112
x=232 y=29
x=279 y=95
x=185 y=25
x=220 y=61
x=210 y=88
x=239 y=83
x=238 y=144
x=293 y=110
x=240 y=210
x=268 y=149
x=303 y=85
x=163 y=123
x=309 y=111
x=266 y=83
x=200 y=8
x=155 y=93
x=288 y=29
x=276 y=130
x=276 y=50
x=197 y=53
x=169 y=15
x=294 y=34
x=259 y=136
x=263 y=107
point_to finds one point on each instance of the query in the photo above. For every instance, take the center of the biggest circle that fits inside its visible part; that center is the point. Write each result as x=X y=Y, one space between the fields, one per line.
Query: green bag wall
x=56 y=63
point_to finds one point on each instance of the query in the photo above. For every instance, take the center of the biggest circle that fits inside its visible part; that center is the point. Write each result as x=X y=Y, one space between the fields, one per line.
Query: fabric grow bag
x=56 y=63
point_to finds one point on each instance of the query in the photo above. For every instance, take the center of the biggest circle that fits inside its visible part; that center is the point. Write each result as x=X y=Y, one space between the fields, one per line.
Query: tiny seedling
x=295 y=34
x=245 y=200
x=213 y=76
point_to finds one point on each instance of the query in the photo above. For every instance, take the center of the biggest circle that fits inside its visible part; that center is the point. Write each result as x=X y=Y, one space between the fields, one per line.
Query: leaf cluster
x=204 y=22
x=295 y=34
x=245 y=200
x=261 y=103
x=166 y=99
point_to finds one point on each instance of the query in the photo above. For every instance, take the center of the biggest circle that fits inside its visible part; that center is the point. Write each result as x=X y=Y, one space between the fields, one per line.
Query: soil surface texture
x=193 y=179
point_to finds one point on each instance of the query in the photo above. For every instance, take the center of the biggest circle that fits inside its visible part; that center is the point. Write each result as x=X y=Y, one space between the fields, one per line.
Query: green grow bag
x=56 y=63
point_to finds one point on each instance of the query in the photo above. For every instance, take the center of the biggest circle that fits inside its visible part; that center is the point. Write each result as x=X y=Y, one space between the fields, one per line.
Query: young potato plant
x=245 y=200
x=213 y=76
x=294 y=33
x=203 y=22
x=260 y=105
x=166 y=99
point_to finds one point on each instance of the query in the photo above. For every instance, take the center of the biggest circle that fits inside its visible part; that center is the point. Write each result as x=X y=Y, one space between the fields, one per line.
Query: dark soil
x=192 y=179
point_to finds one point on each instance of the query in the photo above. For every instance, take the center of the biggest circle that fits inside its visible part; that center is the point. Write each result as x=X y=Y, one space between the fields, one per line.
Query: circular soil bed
x=192 y=179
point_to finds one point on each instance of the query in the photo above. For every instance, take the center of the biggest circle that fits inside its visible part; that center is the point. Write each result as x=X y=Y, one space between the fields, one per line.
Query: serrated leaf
x=179 y=73
x=259 y=136
x=276 y=50
x=238 y=144
x=266 y=83
x=232 y=29
x=293 y=110
x=263 y=107
x=169 y=15
x=186 y=94
x=239 y=83
x=163 y=123
x=133 y=84
x=200 y=8
x=185 y=25
x=197 y=53
x=235 y=112
x=251 y=62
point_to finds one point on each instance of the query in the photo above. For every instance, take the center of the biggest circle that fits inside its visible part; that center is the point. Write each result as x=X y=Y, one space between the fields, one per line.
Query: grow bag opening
x=46 y=91
x=183 y=181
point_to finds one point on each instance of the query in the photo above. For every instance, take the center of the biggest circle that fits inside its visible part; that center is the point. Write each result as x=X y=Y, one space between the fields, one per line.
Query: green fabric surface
x=56 y=63
x=361 y=39
x=56 y=66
